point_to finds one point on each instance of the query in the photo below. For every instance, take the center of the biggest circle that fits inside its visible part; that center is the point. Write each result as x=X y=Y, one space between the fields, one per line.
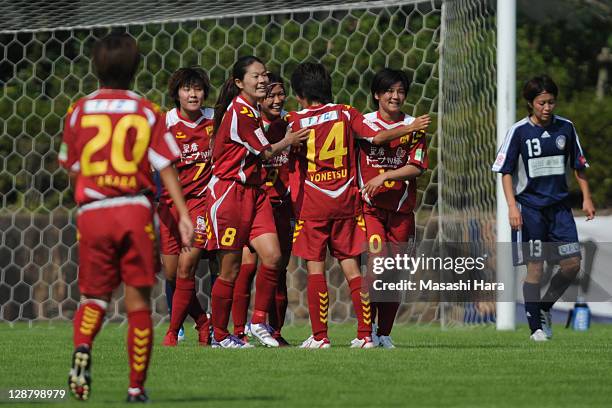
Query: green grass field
x=466 y=367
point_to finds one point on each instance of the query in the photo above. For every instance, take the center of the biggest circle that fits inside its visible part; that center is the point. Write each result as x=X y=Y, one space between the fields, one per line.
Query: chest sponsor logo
x=546 y=166
x=400 y=152
x=317 y=120
x=560 y=142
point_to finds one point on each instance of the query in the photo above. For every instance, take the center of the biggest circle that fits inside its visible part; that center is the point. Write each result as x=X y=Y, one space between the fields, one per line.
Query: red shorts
x=237 y=214
x=345 y=238
x=170 y=237
x=116 y=243
x=384 y=226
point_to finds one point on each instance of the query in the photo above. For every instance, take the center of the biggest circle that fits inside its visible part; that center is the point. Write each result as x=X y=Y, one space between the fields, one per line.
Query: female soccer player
x=532 y=161
x=276 y=185
x=387 y=177
x=111 y=139
x=326 y=197
x=191 y=127
x=239 y=210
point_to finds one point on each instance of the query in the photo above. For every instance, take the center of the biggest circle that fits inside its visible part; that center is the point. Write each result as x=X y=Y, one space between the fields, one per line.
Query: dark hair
x=229 y=90
x=312 y=82
x=187 y=77
x=274 y=79
x=536 y=86
x=115 y=60
x=384 y=79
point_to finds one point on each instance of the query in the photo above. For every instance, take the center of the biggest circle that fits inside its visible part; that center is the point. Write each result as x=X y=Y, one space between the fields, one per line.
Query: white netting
x=46 y=65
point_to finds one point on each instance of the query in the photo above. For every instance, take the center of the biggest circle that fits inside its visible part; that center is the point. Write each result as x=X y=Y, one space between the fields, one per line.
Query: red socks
x=363 y=310
x=318 y=305
x=221 y=304
x=242 y=296
x=278 y=310
x=265 y=289
x=181 y=302
x=87 y=322
x=139 y=344
x=386 y=317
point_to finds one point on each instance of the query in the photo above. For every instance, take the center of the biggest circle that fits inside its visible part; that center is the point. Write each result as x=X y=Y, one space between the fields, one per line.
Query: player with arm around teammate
x=239 y=209
x=326 y=198
x=111 y=139
x=276 y=185
x=191 y=126
x=387 y=177
x=532 y=161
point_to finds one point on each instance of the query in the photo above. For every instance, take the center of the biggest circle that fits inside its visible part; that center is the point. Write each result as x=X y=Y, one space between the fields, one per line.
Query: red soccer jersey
x=276 y=170
x=323 y=179
x=238 y=143
x=111 y=139
x=193 y=139
x=398 y=196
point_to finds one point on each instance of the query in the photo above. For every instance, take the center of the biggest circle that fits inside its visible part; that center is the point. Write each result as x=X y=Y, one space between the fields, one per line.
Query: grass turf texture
x=465 y=367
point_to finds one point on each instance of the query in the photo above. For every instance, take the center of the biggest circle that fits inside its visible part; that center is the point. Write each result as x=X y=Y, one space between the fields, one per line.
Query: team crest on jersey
x=560 y=142
x=200 y=224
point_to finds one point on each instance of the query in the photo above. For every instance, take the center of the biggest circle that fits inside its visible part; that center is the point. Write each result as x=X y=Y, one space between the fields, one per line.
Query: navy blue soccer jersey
x=537 y=158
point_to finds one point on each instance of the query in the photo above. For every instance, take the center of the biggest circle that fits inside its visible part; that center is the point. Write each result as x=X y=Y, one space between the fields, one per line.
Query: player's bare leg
x=267 y=247
x=87 y=323
x=361 y=303
x=139 y=339
x=242 y=292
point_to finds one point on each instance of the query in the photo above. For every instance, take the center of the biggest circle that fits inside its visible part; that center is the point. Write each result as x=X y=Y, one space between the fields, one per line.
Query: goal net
x=446 y=47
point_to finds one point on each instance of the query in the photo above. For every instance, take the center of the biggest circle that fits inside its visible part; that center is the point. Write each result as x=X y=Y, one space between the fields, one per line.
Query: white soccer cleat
x=385 y=342
x=262 y=334
x=364 y=343
x=546 y=321
x=375 y=337
x=311 y=343
x=230 y=342
x=539 y=335
x=181 y=334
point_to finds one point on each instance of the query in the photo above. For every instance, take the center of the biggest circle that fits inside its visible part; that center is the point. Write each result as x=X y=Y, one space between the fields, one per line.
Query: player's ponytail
x=230 y=90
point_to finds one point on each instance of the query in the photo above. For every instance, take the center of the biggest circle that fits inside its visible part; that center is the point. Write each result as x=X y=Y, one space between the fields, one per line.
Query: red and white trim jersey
x=193 y=140
x=238 y=142
x=323 y=179
x=276 y=169
x=397 y=196
x=111 y=139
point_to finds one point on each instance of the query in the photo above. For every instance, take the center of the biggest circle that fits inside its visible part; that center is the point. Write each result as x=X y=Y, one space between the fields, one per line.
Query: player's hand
x=295 y=138
x=371 y=187
x=589 y=208
x=516 y=221
x=420 y=123
x=186 y=230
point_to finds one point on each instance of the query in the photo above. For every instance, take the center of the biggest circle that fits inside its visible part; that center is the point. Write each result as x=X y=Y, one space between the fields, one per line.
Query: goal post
x=447 y=47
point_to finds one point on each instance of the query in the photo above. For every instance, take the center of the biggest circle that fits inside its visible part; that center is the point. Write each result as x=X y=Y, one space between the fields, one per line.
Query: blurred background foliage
x=41 y=73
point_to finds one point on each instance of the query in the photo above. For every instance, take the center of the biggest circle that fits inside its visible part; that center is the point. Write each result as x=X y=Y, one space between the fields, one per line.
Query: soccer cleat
x=230 y=342
x=311 y=343
x=79 y=377
x=364 y=343
x=170 y=339
x=385 y=342
x=546 y=322
x=262 y=333
x=243 y=337
x=137 y=395
x=281 y=340
x=538 y=335
x=375 y=337
x=181 y=334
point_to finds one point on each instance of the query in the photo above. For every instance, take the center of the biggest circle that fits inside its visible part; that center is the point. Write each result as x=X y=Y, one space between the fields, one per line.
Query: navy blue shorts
x=548 y=234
